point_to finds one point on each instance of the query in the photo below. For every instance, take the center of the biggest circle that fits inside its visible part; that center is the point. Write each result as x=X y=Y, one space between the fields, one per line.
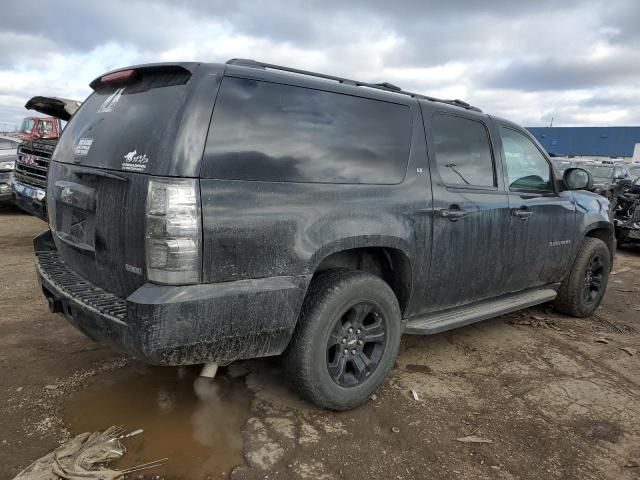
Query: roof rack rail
x=385 y=86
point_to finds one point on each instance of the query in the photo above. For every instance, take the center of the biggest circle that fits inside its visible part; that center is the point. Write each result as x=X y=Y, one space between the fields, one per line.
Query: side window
x=621 y=172
x=527 y=169
x=282 y=133
x=463 y=153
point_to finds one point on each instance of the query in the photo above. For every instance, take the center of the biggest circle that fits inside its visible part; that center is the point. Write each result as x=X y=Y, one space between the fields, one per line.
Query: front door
x=542 y=232
x=470 y=212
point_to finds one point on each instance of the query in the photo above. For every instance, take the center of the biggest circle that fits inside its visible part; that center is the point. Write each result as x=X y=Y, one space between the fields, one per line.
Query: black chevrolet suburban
x=214 y=212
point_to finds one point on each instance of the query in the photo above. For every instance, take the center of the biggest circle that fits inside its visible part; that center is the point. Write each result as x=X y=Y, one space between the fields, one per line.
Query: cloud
x=524 y=61
x=550 y=73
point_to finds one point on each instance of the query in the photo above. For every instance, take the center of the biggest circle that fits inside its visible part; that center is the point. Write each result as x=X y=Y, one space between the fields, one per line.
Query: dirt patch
x=412 y=367
x=600 y=430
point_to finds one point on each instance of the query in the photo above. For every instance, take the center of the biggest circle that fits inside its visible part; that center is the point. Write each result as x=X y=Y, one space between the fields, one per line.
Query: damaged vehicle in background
x=8 y=153
x=207 y=213
x=627 y=215
x=30 y=178
x=609 y=180
x=563 y=163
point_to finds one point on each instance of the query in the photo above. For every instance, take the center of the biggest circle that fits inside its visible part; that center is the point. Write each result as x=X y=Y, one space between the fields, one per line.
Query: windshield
x=599 y=171
x=562 y=164
x=27 y=125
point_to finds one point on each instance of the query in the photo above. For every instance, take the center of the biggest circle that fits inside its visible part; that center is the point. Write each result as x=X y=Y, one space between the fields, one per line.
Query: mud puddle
x=194 y=422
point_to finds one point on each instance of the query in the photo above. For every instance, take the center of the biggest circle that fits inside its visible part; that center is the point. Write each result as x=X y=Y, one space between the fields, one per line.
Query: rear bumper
x=30 y=199
x=177 y=325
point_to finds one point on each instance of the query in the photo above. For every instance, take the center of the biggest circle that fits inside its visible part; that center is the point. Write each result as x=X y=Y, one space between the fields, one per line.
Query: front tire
x=346 y=340
x=582 y=291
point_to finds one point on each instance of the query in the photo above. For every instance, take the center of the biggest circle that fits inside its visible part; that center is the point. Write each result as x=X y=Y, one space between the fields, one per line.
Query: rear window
x=127 y=126
x=272 y=132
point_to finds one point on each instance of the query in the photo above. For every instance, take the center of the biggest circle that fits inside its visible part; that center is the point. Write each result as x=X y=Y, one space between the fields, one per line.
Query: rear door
x=471 y=211
x=542 y=221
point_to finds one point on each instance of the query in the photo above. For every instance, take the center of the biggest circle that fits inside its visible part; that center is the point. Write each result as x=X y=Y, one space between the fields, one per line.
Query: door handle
x=522 y=213
x=453 y=214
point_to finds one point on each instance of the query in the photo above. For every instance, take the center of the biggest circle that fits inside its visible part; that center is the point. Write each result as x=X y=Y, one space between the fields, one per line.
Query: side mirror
x=577 y=179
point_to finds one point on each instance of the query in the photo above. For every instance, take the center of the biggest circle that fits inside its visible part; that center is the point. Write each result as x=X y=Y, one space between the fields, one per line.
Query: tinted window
x=463 y=154
x=527 y=169
x=599 y=171
x=272 y=132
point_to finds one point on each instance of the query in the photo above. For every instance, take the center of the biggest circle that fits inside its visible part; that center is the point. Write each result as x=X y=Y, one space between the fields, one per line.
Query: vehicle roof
x=13 y=139
x=245 y=69
x=313 y=82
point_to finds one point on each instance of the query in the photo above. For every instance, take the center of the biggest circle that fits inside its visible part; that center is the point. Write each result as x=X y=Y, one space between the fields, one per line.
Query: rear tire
x=582 y=291
x=346 y=340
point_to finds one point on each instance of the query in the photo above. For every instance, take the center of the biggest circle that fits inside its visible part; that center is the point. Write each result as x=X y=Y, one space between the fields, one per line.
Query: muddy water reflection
x=194 y=422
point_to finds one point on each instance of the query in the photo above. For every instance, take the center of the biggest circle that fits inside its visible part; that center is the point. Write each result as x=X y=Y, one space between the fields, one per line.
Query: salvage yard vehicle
x=39 y=127
x=29 y=183
x=609 y=180
x=8 y=149
x=562 y=163
x=214 y=212
x=627 y=214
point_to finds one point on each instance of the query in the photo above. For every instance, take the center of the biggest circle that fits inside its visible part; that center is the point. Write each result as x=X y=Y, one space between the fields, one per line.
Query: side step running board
x=460 y=316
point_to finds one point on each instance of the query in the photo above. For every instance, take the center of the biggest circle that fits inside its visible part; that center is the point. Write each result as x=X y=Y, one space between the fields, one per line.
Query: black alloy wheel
x=356 y=344
x=593 y=279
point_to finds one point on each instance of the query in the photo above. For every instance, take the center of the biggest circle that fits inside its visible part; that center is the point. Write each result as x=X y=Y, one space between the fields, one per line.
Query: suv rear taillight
x=173 y=231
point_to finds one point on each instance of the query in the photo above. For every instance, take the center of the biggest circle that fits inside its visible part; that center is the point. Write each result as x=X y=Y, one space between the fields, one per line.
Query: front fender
x=593 y=220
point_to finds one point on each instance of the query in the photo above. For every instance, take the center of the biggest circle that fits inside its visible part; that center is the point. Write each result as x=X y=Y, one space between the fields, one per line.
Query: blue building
x=595 y=142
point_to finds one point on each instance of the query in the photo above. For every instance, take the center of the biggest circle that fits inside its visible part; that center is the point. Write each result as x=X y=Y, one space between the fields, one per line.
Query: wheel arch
x=603 y=231
x=389 y=262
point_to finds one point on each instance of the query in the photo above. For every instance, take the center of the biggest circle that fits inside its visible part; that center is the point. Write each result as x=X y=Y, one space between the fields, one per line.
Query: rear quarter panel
x=256 y=229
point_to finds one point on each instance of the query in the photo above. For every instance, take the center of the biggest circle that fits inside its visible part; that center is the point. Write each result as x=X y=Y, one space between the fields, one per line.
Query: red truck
x=39 y=127
x=40 y=136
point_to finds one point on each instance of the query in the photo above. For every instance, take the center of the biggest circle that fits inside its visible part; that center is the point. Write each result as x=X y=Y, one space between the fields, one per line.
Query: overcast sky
x=575 y=61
